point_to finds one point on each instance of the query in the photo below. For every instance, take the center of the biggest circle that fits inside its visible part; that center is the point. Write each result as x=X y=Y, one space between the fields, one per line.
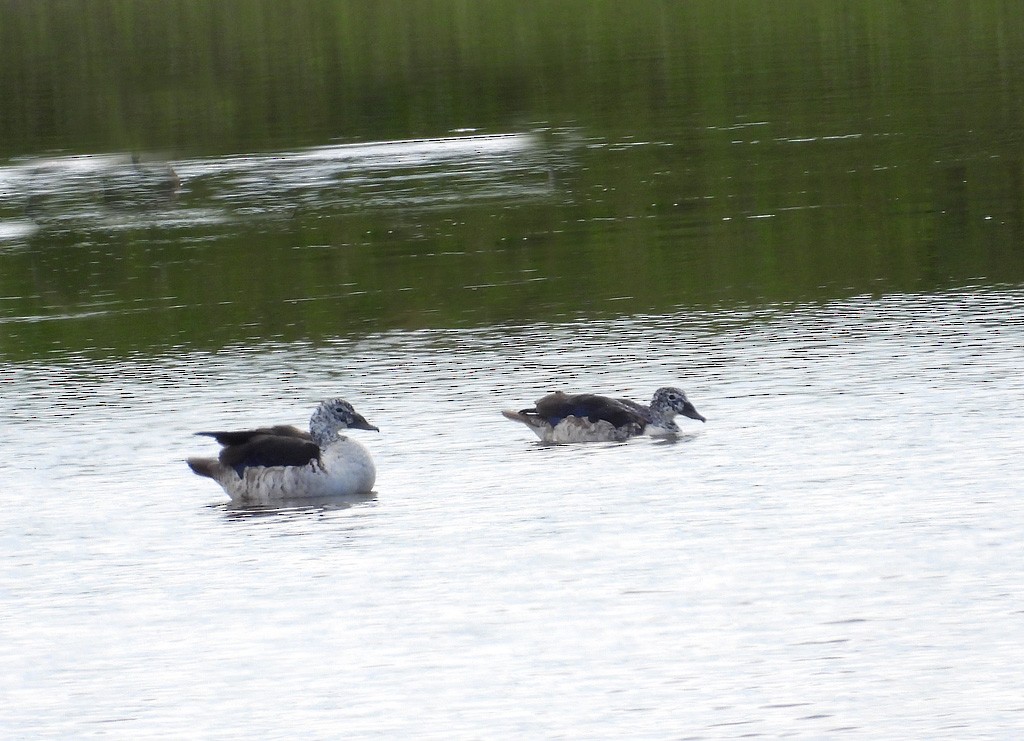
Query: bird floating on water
x=580 y=418
x=282 y=462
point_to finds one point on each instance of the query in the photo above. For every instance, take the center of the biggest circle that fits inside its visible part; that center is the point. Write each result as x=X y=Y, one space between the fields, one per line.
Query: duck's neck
x=322 y=431
x=663 y=416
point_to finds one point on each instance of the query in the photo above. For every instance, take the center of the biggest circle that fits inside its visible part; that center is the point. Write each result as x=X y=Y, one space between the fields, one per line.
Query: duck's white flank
x=572 y=429
x=344 y=469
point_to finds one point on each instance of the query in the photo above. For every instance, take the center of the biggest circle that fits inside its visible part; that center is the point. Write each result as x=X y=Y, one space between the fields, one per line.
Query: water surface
x=833 y=553
x=808 y=215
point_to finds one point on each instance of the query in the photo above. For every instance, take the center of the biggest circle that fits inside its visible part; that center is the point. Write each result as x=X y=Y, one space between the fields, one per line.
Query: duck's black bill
x=689 y=410
x=360 y=423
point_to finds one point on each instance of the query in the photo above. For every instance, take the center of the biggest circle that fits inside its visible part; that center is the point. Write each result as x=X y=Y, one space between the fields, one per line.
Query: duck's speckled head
x=335 y=415
x=673 y=400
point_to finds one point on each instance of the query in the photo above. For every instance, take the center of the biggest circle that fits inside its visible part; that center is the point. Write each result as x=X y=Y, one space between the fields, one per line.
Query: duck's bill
x=360 y=423
x=689 y=410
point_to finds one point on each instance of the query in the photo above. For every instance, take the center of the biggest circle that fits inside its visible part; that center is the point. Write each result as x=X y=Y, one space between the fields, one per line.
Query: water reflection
x=474 y=230
x=140 y=184
x=301 y=507
x=98 y=191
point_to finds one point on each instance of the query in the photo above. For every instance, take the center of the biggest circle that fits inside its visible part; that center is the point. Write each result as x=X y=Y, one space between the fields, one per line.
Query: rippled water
x=835 y=553
x=805 y=216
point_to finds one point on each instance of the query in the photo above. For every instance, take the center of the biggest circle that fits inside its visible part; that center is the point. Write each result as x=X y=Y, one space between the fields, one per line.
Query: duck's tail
x=540 y=426
x=211 y=468
x=522 y=416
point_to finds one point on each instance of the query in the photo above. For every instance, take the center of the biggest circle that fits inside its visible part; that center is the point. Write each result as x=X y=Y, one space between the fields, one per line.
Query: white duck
x=270 y=464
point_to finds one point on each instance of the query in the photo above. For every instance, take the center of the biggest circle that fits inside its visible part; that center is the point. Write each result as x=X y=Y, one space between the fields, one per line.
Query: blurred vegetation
x=732 y=152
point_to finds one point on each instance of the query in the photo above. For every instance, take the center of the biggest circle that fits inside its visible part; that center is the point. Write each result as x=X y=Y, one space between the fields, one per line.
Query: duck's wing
x=269 y=451
x=557 y=406
x=643 y=411
x=241 y=437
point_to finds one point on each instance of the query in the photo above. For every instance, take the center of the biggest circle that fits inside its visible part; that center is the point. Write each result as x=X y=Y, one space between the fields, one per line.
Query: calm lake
x=810 y=216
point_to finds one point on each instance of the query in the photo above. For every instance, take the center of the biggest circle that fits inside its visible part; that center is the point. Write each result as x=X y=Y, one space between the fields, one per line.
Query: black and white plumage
x=578 y=418
x=268 y=464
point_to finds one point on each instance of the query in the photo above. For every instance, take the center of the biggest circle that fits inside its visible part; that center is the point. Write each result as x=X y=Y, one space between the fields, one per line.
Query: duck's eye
x=672 y=397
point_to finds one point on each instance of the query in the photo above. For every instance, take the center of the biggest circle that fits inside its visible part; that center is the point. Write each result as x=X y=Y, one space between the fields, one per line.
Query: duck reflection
x=293 y=509
x=140 y=183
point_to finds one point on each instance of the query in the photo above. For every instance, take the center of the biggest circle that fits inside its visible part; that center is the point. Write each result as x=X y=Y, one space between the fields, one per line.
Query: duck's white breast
x=349 y=465
x=660 y=431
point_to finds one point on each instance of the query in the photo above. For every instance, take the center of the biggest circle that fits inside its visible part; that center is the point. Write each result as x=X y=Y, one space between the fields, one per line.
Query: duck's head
x=673 y=401
x=334 y=415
